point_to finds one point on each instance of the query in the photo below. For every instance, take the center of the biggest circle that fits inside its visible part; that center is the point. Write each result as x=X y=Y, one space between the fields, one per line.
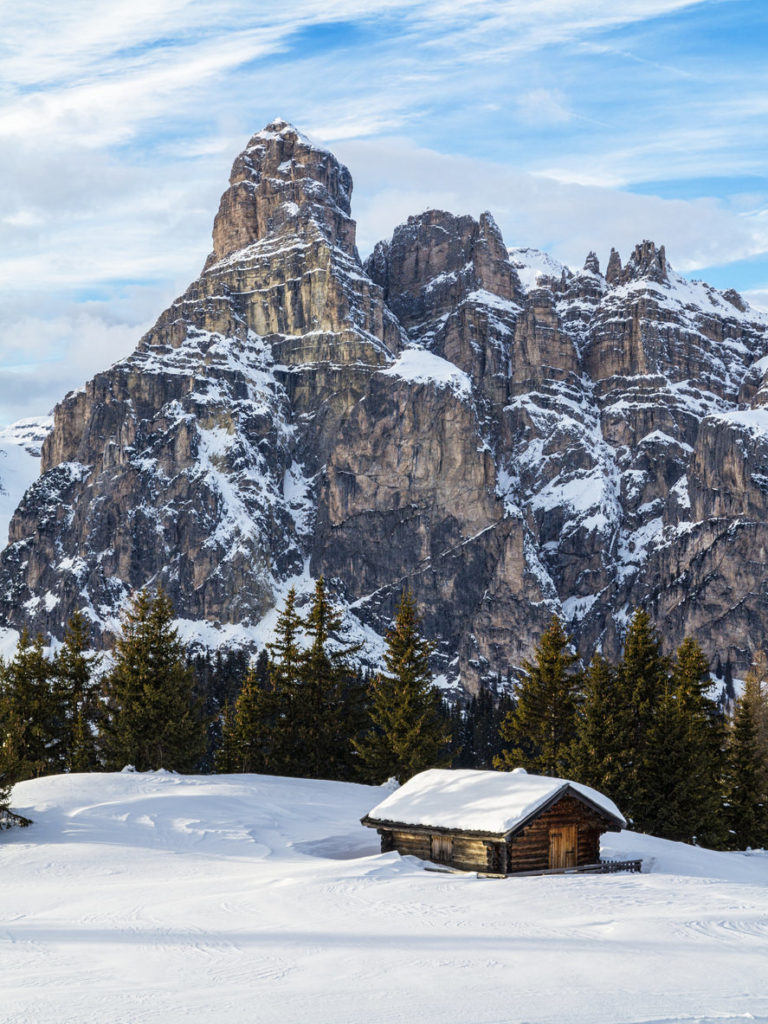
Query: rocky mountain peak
x=508 y=450
x=283 y=183
x=592 y=263
x=647 y=262
x=613 y=270
x=437 y=258
x=732 y=296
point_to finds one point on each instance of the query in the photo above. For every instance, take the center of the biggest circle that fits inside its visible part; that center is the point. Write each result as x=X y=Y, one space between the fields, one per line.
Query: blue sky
x=580 y=124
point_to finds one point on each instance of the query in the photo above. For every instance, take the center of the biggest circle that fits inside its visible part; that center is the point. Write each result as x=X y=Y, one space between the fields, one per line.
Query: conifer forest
x=645 y=730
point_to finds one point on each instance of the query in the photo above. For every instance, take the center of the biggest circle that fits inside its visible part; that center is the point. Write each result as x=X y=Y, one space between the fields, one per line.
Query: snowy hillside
x=162 y=898
x=19 y=464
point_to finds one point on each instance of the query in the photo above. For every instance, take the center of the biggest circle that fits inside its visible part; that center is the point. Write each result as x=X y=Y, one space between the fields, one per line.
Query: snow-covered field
x=162 y=898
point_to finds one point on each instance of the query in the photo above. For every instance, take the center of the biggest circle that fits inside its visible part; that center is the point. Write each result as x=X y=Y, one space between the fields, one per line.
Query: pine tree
x=73 y=669
x=542 y=727
x=641 y=682
x=32 y=714
x=662 y=797
x=153 y=719
x=746 y=775
x=286 y=650
x=286 y=715
x=250 y=732
x=603 y=721
x=327 y=709
x=699 y=806
x=409 y=733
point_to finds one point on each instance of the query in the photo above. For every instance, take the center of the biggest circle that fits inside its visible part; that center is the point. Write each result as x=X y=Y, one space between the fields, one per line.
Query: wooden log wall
x=467 y=854
x=470 y=854
x=416 y=844
x=529 y=849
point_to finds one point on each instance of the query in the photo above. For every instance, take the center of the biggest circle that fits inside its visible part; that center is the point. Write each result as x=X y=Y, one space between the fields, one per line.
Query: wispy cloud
x=118 y=126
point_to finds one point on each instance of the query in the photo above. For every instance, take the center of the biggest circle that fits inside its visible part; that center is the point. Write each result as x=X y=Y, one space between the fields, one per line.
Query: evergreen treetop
x=252 y=729
x=153 y=718
x=540 y=730
x=603 y=721
x=409 y=732
x=641 y=679
x=74 y=667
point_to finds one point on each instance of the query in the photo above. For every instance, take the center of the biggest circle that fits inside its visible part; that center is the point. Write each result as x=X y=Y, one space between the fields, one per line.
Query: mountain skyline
x=582 y=126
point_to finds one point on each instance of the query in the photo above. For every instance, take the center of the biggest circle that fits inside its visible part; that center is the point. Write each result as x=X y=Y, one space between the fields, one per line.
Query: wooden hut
x=496 y=822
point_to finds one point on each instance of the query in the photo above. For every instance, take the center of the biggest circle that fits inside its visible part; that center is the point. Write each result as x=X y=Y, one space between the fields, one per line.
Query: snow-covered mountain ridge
x=507 y=436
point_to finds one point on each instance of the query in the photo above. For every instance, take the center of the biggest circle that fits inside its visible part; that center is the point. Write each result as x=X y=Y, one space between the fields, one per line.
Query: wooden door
x=442 y=849
x=564 y=846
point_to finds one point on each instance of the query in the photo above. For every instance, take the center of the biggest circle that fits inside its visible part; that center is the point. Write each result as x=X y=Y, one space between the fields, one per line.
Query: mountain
x=20 y=445
x=508 y=437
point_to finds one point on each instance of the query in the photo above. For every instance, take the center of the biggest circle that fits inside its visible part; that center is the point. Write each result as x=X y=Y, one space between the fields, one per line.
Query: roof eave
x=381 y=823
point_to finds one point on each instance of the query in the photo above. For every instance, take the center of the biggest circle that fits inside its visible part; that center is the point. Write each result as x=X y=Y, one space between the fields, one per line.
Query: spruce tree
x=641 y=682
x=746 y=774
x=32 y=713
x=602 y=724
x=326 y=711
x=409 y=732
x=286 y=650
x=540 y=731
x=74 y=674
x=286 y=713
x=251 y=730
x=153 y=718
x=662 y=800
x=699 y=806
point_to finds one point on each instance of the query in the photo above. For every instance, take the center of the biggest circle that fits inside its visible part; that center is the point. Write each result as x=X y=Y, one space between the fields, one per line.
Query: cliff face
x=506 y=436
x=192 y=461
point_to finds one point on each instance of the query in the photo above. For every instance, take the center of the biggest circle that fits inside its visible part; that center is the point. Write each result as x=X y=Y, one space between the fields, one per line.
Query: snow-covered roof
x=479 y=801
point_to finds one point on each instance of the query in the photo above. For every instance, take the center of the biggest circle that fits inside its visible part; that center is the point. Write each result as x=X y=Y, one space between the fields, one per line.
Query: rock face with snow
x=508 y=437
x=20 y=445
x=191 y=461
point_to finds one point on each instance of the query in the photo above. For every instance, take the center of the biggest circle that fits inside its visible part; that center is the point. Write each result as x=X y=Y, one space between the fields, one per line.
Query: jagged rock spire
x=613 y=270
x=437 y=256
x=282 y=183
x=592 y=263
x=646 y=262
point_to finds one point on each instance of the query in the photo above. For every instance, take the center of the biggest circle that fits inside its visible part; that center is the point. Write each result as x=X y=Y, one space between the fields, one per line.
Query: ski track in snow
x=162 y=898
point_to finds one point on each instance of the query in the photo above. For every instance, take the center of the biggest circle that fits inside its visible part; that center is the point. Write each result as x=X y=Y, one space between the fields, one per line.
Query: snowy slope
x=161 y=898
x=533 y=264
x=19 y=464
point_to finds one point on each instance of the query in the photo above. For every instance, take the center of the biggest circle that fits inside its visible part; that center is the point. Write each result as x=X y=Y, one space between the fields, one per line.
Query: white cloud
x=567 y=219
x=45 y=358
x=119 y=122
x=544 y=106
x=757 y=297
